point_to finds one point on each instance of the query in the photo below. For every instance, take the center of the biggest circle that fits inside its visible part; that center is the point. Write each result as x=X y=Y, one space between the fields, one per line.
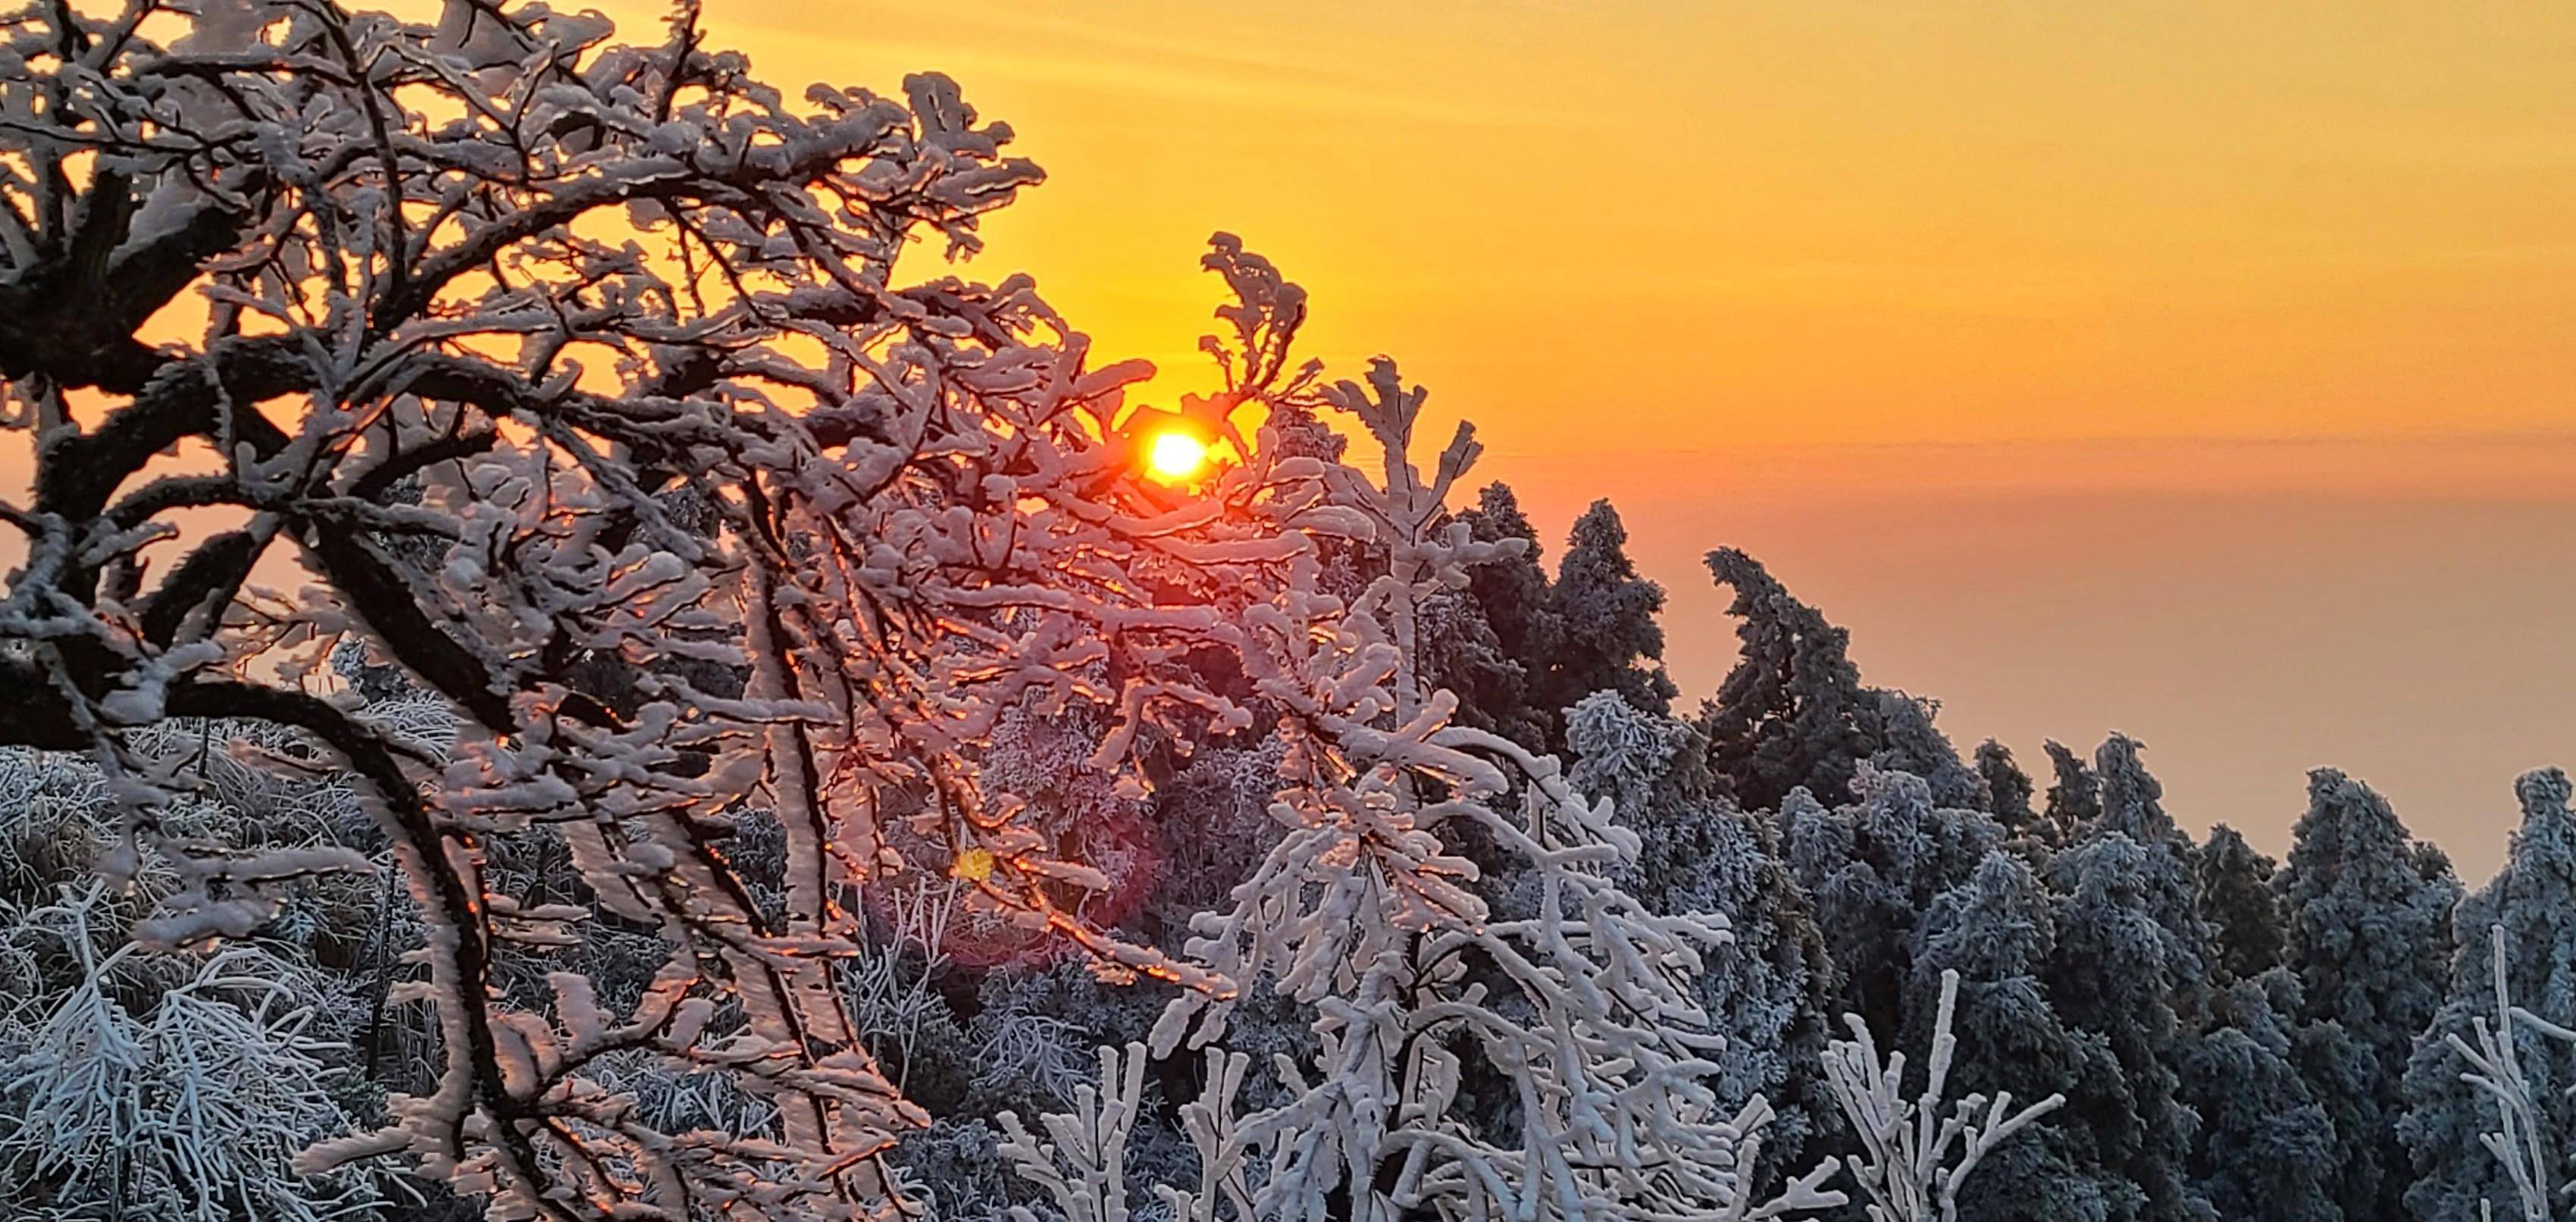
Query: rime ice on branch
x=587 y=383
x=584 y=380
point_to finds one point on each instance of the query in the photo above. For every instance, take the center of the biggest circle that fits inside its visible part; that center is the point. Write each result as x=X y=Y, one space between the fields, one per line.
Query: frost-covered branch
x=1544 y=1059
x=2519 y=1141
x=1913 y=1158
x=588 y=382
x=1082 y=1162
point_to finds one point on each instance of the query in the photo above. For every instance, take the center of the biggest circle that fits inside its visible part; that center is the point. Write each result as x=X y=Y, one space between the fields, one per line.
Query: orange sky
x=2204 y=370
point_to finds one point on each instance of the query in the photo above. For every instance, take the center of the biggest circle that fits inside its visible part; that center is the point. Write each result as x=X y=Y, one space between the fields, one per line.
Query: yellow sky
x=2246 y=331
x=1714 y=223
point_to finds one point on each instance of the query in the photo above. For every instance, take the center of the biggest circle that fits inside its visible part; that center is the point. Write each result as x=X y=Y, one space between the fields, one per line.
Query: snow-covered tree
x=2075 y=794
x=1871 y=870
x=2533 y=900
x=1611 y=640
x=1520 y=649
x=1997 y=932
x=1914 y=1160
x=1790 y=714
x=2370 y=935
x=2241 y=906
x=2008 y=791
x=1903 y=739
x=2169 y=879
x=1503 y=654
x=167 y=1086
x=590 y=384
x=1768 y=987
x=2120 y=970
x=2267 y=1149
x=1579 y=999
x=136 y=1081
x=1793 y=712
x=2526 y=1146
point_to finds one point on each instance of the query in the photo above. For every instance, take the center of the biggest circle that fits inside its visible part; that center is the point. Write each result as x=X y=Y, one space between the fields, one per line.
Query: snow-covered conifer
x=2370 y=938
x=2533 y=900
x=1611 y=641
x=2241 y=906
x=1913 y=1159
x=2074 y=793
x=1768 y=987
x=2008 y=789
x=2120 y=971
x=1998 y=933
x=2527 y=1146
x=1790 y=714
x=1871 y=870
x=1580 y=998
x=2168 y=879
x=1793 y=713
x=1509 y=595
x=2266 y=1148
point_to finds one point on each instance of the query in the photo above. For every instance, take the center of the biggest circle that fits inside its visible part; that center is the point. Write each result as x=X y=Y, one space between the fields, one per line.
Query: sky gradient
x=2202 y=371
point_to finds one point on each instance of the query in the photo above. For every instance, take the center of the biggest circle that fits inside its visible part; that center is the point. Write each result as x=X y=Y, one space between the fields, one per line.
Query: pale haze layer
x=2202 y=371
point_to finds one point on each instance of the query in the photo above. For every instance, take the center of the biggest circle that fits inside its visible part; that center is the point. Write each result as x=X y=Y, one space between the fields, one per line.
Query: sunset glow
x=1175 y=456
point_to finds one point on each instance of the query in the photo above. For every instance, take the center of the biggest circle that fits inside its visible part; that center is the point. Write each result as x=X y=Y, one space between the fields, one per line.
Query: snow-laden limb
x=191 y=1109
x=1082 y=1161
x=1913 y=1157
x=2520 y=1141
x=589 y=384
x=1547 y=1060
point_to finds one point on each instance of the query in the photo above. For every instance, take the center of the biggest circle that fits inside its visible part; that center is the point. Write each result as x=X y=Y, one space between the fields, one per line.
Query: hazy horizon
x=2202 y=373
x=2419 y=641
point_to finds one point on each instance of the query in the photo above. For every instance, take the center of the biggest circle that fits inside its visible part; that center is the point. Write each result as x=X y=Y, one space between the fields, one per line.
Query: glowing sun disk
x=1174 y=456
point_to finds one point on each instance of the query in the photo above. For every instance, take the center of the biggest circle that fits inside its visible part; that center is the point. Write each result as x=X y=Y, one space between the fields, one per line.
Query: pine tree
x=2075 y=795
x=1998 y=932
x=2267 y=1149
x=2534 y=899
x=2008 y=789
x=2132 y=807
x=1770 y=984
x=1905 y=740
x=2241 y=907
x=2370 y=938
x=1611 y=641
x=1871 y=869
x=1790 y=714
x=1496 y=644
x=2119 y=972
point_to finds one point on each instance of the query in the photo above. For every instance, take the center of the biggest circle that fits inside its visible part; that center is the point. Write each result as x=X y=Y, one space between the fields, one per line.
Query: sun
x=1174 y=456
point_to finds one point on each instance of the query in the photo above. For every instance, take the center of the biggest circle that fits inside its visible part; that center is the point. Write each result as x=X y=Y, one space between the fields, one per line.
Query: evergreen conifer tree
x=2119 y=971
x=1790 y=713
x=2241 y=907
x=1905 y=740
x=1871 y=869
x=1498 y=636
x=1769 y=985
x=2075 y=795
x=2370 y=937
x=2534 y=899
x=1607 y=614
x=2008 y=789
x=1998 y=931
x=2267 y=1149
